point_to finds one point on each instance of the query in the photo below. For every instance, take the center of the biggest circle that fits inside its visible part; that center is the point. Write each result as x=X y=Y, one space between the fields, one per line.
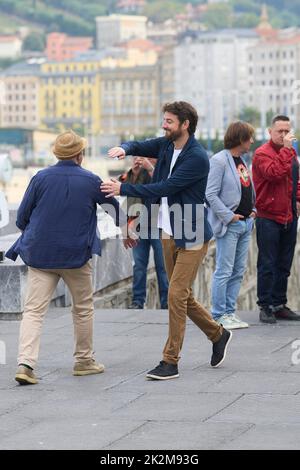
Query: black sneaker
x=136 y=306
x=220 y=348
x=163 y=371
x=286 y=313
x=266 y=315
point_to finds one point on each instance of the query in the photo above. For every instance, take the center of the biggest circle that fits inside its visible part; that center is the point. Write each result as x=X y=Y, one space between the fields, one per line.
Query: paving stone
x=252 y=401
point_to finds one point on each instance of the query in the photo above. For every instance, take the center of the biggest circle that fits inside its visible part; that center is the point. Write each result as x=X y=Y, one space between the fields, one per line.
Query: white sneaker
x=226 y=321
x=238 y=320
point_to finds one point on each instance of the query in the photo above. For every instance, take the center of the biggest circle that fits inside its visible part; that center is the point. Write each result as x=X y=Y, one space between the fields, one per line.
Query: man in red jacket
x=276 y=179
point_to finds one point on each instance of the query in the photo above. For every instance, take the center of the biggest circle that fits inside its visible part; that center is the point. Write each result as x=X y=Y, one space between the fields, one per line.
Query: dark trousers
x=141 y=258
x=276 y=246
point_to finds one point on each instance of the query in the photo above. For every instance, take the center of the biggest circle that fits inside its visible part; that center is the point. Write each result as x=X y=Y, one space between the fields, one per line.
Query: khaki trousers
x=181 y=267
x=40 y=287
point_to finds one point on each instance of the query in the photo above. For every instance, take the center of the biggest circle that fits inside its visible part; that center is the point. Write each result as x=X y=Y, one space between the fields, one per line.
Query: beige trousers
x=40 y=287
x=181 y=267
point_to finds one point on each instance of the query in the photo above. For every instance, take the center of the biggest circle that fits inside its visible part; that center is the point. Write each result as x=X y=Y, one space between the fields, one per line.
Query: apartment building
x=63 y=47
x=274 y=74
x=211 y=72
x=130 y=100
x=19 y=104
x=70 y=94
x=113 y=29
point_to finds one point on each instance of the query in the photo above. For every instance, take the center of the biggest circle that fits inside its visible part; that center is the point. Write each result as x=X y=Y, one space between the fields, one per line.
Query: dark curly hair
x=185 y=112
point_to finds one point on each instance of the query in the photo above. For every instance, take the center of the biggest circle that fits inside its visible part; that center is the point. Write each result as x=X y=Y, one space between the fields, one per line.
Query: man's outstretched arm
x=145 y=148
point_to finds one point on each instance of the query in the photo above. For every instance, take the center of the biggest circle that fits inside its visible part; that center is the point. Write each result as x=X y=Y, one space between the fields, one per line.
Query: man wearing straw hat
x=57 y=217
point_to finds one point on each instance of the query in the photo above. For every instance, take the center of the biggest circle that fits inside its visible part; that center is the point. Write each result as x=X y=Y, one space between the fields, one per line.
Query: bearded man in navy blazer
x=178 y=186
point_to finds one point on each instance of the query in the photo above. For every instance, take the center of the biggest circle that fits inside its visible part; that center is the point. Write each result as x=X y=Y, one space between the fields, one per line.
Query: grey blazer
x=223 y=192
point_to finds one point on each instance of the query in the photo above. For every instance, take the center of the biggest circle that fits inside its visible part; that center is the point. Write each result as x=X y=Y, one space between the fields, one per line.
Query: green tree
x=161 y=11
x=34 y=42
x=251 y=115
x=247 y=20
x=218 y=16
x=269 y=117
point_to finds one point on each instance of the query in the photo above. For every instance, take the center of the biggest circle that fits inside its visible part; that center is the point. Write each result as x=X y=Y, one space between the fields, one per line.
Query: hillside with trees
x=75 y=18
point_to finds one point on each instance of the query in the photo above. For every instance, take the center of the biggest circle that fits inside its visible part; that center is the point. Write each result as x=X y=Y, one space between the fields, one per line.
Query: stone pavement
x=251 y=402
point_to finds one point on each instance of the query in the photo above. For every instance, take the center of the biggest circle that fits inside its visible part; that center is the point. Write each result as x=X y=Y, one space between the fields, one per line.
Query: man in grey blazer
x=231 y=199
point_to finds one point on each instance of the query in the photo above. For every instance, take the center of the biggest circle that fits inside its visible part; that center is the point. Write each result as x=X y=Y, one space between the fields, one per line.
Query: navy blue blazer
x=58 y=218
x=185 y=187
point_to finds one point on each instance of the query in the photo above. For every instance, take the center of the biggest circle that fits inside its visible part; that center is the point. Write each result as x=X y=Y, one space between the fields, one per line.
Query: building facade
x=166 y=64
x=19 y=106
x=70 y=95
x=114 y=29
x=274 y=74
x=130 y=100
x=211 y=71
x=63 y=47
x=10 y=47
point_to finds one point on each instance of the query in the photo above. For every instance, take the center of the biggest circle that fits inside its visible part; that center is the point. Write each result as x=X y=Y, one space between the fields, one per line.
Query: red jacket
x=272 y=178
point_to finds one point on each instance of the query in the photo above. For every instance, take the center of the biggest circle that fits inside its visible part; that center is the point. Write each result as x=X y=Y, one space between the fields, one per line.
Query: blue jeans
x=231 y=259
x=276 y=246
x=141 y=258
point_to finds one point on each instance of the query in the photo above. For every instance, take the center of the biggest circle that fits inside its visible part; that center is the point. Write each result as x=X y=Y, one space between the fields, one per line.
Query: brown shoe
x=87 y=368
x=25 y=376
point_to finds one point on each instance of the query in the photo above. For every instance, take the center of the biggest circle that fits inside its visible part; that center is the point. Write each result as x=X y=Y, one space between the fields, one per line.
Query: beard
x=173 y=135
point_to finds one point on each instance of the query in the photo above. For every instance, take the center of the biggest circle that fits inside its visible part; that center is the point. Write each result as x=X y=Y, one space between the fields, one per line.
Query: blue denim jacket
x=58 y=218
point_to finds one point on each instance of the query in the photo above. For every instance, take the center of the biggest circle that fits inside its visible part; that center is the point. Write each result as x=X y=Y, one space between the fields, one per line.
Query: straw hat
x=68 y=144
